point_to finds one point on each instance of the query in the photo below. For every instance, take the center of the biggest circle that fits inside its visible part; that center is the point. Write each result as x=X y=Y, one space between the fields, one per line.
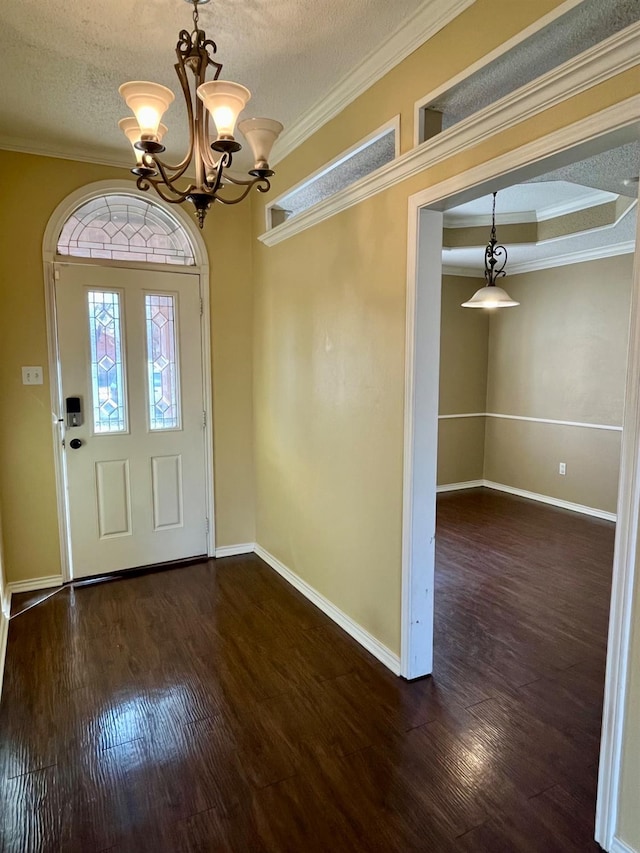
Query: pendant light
x=495 y=260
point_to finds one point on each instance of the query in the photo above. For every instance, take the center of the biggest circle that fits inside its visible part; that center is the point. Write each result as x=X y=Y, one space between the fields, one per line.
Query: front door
x=129 y=345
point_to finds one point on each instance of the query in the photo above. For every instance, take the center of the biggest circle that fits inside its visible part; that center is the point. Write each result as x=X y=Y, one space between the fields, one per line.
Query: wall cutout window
x=582 y=27
x=125 y=228
x=378 y=149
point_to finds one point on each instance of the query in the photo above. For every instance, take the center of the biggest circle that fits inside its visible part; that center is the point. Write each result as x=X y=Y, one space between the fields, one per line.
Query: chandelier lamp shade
x=495 y=261
x=207 y=160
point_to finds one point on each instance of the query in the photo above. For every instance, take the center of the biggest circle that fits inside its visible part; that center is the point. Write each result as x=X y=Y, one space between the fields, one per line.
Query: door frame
x=201 y=270
x=610 y=127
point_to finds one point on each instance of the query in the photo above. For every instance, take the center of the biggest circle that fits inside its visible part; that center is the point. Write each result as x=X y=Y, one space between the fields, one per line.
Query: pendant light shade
x=260 y=133
x=490 y=297
x=495 y=260
x=149 y=102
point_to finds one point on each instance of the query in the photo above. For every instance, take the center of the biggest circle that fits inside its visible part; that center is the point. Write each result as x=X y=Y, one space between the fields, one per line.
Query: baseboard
x=4 y=634
x=546 y=499
x=619 y=846
x=366 y=640
x=35 y=583
x=457 y=487
x=235 y=550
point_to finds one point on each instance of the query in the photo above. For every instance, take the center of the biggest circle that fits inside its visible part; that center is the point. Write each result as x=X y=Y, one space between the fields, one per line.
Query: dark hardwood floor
x=212 y=708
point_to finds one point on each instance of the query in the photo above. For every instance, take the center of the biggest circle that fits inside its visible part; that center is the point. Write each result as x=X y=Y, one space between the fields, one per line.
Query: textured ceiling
x=61 y=61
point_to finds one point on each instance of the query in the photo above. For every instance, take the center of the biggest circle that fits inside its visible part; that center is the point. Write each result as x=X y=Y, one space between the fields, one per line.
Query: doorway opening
x=126 y=284
x=423 y=388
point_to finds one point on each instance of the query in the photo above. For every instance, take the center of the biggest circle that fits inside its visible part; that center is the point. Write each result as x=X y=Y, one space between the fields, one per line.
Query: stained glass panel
x=107 y=383
x=125 y=228
x=164 y=402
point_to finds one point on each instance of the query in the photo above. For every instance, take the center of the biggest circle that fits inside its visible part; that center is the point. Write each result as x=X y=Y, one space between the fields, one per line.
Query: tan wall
x=464 y=348
x=31 y=189
x=526 y=455
x=562 y=354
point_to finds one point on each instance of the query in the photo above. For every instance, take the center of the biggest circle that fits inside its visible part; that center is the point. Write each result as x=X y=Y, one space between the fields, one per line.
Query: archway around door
x=612 y=127
x=111 y=229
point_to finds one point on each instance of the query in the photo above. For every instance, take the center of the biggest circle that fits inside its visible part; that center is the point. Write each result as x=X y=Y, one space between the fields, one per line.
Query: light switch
x=32 y=376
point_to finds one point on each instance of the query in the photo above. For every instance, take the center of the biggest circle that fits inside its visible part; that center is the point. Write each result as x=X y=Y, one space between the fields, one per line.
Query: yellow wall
x=31 y=189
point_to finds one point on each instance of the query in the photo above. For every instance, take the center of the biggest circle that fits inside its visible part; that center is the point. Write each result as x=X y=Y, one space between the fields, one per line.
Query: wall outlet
x=562 y=468
x=32 y=376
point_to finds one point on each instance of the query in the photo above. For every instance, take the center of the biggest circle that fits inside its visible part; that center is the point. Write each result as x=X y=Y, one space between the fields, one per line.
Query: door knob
x=75 y=443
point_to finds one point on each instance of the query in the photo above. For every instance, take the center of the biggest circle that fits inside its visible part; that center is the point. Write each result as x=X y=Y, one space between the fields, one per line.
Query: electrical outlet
x=562 y=468
x=32 y=376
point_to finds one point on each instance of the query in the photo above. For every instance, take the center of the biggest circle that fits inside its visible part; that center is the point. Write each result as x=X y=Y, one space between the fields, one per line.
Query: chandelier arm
x=264 y=187
x=169 y=182
x=145 y=183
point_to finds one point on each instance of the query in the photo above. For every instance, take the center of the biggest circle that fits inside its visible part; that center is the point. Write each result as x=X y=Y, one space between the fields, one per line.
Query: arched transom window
x=125 y=228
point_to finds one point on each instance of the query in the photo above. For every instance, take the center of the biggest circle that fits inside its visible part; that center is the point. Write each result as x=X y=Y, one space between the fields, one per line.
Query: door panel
x=129 y=344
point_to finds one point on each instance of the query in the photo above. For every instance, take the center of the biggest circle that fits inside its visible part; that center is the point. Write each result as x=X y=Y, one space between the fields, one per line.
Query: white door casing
x=135 y=496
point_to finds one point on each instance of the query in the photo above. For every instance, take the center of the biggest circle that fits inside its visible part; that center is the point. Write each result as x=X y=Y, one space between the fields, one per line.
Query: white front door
x=129 y=344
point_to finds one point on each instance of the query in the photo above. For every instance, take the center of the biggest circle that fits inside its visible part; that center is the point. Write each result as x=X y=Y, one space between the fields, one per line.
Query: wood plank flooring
x=212 y=708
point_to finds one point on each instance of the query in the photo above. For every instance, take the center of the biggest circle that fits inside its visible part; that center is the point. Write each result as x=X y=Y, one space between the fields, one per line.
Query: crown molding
x=559 y=260
x=563 y=260
x=552 y=211
x=79 y=155
x=594 y=199
x=433 y=16
x=520 y=217
x=613 y=56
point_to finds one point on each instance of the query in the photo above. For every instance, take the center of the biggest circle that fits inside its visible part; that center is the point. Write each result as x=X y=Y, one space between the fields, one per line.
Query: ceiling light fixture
x=495 y=260
x=220 y=100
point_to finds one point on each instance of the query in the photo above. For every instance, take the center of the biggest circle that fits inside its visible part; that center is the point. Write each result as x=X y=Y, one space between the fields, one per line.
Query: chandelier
x=495 y=260
x=219 y=100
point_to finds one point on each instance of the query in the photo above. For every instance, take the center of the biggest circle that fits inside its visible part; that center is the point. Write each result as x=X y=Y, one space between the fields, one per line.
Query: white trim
x=419 y=28
x=573 y=258
x=366 y=640
x=532 y=496
x=200 y=269
x=612 y=56
x=518 y=217
x=525 y=217
x=34 y=584
x=485 y=60
x=422 y=346
x=4 y=637
x=611 y=427
x=620 y=846
x=459 y=487
x=565 y=208
x=547 y=499
x=235 y=550
x=393 y=125
x=623 y=583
